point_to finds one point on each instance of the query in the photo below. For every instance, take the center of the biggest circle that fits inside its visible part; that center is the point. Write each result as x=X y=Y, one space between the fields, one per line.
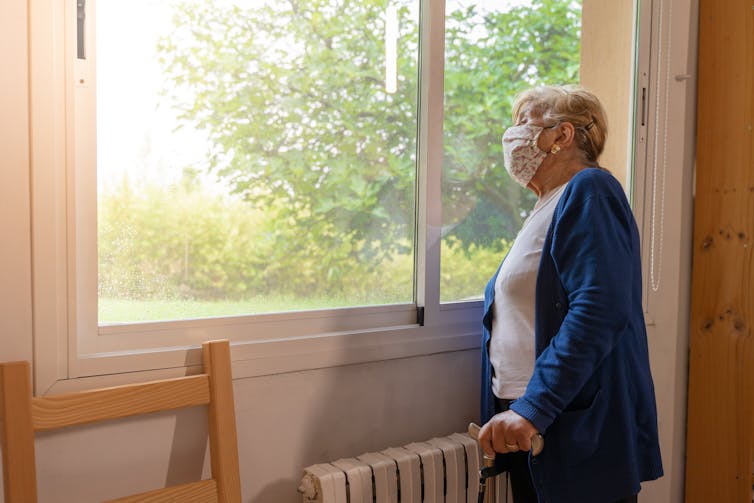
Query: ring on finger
x=511 y=447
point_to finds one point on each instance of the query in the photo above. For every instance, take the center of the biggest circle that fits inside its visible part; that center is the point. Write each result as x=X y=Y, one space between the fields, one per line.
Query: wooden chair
x=21 y=416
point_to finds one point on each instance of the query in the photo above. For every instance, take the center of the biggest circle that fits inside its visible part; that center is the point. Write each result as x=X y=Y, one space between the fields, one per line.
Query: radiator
x=440 y=470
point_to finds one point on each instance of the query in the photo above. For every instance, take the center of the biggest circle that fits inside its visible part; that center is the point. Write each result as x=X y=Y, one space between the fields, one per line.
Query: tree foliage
x=205 y=247
x=490 y=58
x=293 y=98
x=320 y=159
x=292 y=95
x=201 y=247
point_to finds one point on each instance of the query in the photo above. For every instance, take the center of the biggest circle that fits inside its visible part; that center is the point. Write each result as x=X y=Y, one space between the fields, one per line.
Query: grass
x=129 y=311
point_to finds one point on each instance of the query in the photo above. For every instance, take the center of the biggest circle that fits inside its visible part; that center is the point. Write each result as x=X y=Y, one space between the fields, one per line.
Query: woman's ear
x=565 y=134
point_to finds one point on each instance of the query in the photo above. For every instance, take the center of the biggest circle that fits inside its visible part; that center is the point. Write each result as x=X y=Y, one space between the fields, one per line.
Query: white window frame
x=69 y=347
x=663 y=145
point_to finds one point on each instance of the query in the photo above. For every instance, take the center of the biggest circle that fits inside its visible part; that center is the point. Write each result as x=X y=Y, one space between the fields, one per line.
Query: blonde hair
x=572 y=104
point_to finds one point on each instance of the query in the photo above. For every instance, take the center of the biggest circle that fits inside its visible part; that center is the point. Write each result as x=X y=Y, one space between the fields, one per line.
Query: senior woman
x=565 y=347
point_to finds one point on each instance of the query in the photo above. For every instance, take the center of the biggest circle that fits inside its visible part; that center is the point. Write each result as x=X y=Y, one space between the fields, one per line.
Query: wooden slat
x=204 y=491
x=21 y=415
x=222 y=421
x=721 y=360
x=119 y=401
x=16 y=433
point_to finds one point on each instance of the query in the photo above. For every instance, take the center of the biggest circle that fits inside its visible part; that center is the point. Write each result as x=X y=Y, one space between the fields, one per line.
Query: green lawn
x=127 y=311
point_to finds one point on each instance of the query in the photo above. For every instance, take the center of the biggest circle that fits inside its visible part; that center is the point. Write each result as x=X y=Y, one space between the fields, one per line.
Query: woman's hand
x=506 y=432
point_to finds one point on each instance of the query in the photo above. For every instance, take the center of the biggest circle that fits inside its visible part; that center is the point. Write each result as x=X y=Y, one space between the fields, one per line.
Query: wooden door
x=721 y=364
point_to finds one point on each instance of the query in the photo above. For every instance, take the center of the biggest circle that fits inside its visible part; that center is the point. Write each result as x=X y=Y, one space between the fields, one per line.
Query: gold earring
x=555 y=149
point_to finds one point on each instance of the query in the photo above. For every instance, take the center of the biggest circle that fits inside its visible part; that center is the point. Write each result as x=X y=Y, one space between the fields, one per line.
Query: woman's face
x=562 y=161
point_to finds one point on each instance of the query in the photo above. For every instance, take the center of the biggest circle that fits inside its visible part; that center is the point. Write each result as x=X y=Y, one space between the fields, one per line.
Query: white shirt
x=511 y=347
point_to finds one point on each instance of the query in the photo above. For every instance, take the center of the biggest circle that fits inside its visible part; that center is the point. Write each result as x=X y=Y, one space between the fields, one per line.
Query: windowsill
x=294 y=354
x=271 y=357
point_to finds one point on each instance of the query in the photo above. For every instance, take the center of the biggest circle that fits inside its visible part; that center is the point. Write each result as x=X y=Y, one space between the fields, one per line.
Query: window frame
x=657 y=159
x=65 y=280
x=344 y=336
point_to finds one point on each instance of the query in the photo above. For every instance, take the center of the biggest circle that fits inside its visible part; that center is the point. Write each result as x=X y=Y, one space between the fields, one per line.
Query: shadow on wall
x=278 y=490
x=188 y=461
x=101 y=461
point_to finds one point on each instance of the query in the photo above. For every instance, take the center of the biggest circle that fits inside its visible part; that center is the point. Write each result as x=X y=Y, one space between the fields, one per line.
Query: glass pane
x=493 y=50
x=254 y=156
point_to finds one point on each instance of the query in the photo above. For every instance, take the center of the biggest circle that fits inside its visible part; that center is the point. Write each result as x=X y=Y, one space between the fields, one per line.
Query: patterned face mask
x=521 y=153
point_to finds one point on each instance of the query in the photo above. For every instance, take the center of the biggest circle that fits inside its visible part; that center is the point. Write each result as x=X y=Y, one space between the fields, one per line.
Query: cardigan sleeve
x=593 y=251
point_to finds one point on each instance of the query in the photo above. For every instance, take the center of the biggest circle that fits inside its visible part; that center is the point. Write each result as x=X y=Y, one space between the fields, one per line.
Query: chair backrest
x=21 y=416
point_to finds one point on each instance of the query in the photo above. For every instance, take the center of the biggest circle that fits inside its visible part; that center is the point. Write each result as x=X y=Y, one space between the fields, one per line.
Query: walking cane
x=487 y=481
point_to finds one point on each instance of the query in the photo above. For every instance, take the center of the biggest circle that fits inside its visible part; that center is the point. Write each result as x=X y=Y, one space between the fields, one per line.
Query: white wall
x=290 y=420
x=15 y=246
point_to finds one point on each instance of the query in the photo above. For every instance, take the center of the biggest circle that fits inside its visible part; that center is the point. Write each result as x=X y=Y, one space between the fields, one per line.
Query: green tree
x=488 y=63
x=292 y=96
x=182 y=242
x=294 y=101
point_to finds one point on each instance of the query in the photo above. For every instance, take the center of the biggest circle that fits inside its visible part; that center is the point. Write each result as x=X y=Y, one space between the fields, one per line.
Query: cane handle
x=537 y=440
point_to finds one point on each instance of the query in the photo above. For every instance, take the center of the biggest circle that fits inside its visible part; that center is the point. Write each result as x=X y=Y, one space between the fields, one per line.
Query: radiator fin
x=409 y=473
x=432 y=471
x=473 y=465
x=324 y=483
x=359 y=478
x=385 y=476
x=455 y=469
x=440 y=470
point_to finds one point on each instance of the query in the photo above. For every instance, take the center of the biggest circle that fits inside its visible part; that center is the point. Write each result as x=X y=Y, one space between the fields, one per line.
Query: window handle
x=644 y=105
x=80 y=16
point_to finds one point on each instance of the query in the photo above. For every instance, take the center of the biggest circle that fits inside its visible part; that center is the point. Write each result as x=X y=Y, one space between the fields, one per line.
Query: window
x=493 y=51
x=321 y=185
x=254 y=156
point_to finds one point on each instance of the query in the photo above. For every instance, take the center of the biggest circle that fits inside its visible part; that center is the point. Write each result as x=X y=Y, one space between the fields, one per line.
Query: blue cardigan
x=591 y=394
